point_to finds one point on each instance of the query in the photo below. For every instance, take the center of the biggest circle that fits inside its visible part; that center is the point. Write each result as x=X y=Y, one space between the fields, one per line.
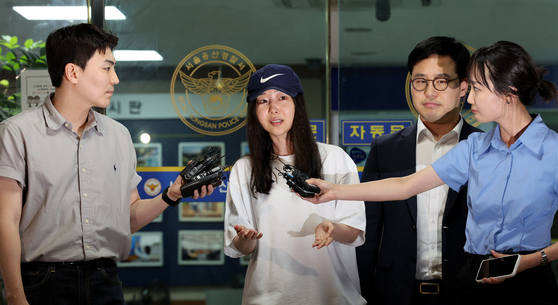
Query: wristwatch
x=544 y=259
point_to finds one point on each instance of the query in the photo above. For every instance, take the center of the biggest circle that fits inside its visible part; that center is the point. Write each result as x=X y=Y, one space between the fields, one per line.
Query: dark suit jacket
x=387 y=263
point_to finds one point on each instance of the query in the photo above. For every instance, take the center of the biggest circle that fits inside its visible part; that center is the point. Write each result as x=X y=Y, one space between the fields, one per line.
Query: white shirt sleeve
x=339 y=168
x=238 y=210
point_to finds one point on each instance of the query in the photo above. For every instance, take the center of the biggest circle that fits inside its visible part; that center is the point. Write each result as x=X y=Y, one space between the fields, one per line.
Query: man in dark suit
x=414 y=247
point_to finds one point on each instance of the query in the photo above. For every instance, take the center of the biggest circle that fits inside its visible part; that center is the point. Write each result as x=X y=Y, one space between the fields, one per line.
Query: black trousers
x=79 y=283
x=533 y=286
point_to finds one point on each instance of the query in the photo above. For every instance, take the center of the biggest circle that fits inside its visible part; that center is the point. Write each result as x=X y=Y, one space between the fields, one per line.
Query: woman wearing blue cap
x=301 y=253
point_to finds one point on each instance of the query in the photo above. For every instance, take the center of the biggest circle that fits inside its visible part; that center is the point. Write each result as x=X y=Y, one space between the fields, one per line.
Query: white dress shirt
x=431 y=204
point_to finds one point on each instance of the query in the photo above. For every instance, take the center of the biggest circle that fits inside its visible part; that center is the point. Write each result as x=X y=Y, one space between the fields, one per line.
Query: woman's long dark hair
x=307 y=156
x=508 y=65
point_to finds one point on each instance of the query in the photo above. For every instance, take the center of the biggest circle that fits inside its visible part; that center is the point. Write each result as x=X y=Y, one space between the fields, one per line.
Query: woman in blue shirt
x=512 y=176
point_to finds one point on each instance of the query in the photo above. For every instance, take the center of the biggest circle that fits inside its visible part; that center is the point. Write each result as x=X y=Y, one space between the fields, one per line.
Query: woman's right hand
x=246 y=234
x=246 y=239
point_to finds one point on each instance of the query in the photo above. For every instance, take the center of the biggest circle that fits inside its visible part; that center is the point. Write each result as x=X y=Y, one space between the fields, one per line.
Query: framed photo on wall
x=146 y=251
x=201 y=211
x=191 y=150
x=149 y=155
x=203 y=247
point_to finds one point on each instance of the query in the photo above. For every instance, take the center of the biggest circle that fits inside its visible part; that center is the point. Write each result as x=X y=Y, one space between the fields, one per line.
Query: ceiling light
x=64 y=12
x=136 y=55
x=145 y=138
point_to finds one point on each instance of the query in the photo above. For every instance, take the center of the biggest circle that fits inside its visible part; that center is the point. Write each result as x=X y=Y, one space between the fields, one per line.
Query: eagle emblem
x=215 y=91
x=152 y=187
x=208 y=90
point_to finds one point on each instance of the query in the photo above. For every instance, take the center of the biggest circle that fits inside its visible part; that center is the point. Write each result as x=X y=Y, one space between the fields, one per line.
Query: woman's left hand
x=324 y=234
x=492 y=280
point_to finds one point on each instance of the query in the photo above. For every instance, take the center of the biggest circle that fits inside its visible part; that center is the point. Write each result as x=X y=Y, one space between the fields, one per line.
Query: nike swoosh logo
x=263 y=80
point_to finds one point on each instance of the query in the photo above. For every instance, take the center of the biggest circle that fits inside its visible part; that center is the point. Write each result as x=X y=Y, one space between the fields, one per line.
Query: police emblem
x=208 y=90
x=152 y=187
x=467 y=115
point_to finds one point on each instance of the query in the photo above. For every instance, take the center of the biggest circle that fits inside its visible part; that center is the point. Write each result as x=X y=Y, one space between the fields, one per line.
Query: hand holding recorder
x=204 y=170
x=296 y=180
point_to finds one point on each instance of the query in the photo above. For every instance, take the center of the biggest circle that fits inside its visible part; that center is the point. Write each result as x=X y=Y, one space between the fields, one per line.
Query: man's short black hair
x=75 y=44
x=441 y=45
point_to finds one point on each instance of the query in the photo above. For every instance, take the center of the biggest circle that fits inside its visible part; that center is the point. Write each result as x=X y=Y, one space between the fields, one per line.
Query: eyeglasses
x=439 y=84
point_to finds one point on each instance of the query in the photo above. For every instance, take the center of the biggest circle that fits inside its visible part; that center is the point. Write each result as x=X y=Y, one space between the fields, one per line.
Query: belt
x=428 y=287
x=476 y=259
x=97 y=262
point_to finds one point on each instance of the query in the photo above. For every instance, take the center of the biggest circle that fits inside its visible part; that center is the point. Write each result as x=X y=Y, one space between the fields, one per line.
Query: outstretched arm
x=381 y=190
x=144 y=211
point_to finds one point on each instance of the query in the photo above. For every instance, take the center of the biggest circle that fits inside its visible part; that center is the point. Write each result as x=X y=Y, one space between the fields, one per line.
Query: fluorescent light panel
x=64 y=12
x=137 y=55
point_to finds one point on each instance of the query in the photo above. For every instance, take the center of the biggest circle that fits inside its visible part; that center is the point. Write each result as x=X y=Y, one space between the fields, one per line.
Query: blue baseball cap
x=278 y=77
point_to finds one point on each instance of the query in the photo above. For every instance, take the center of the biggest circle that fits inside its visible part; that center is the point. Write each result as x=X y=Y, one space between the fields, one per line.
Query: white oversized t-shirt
x=284 y=268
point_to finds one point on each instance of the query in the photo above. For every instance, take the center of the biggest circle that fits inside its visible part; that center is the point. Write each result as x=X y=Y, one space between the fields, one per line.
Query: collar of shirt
x=54 y=120
x=423 y=132
x=532 y=137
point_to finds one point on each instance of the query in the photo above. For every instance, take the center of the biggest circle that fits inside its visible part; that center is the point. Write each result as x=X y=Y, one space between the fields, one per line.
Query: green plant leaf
x=3 y=114
x=10 y=56
x=28 y=43
x=38 y=44
x=26 y=53
x=19 y=57
x=9 y=42
x=33 y=57
x=4 y=82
